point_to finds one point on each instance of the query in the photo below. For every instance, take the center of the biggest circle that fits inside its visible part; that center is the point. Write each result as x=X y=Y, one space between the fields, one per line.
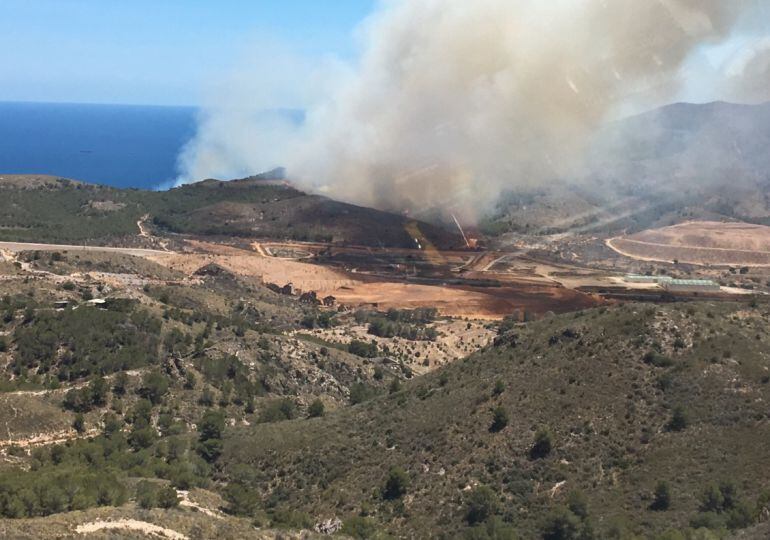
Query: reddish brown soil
x=358 y=289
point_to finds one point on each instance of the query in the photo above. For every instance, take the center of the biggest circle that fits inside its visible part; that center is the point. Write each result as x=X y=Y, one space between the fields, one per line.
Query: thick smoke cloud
x=454 y=101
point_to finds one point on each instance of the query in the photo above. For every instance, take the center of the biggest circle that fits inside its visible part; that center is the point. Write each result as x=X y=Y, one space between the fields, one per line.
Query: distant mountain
x=686 y=147
x=669 y=164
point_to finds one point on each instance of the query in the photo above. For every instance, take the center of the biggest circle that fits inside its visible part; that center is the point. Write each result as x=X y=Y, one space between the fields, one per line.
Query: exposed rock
x=329 y=526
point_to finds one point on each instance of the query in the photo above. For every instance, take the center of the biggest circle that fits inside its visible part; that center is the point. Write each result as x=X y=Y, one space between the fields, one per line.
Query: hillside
x=114 y=362
x=701 y=242
x=53 y=210
x=135 y=365
x=620 y=399
x=194 y=389
x=682 y=161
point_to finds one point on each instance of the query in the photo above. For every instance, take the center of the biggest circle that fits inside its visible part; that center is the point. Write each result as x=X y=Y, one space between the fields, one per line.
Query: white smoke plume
x=452 y=101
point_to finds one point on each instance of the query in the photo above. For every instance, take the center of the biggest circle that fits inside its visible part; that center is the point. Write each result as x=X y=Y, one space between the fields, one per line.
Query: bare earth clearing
x=144 y=527
x=356 y=289
x=457 y=339
x=705 y=243
x=518 y=293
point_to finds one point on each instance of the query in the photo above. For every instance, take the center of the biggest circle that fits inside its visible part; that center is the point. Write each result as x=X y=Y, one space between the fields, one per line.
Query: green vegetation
x=568 y=427
x=662 y=497
x=584 y=446
x=360 y=392
x=404 y=323
x=49 y=490
x=78 y=343
x=658 y=360
x=481 y=504
x=120 y=383
x=210 y=430
x=316 y=319
x=87 y=473
x=722 y=507
x=363 y=349
x=499 y=419
x=563 y=523
x=316 y=409
x=151 y=495
x=679 y=419
x=278 y=410
x=74 y=213
x=396 y=484
x=542 y=445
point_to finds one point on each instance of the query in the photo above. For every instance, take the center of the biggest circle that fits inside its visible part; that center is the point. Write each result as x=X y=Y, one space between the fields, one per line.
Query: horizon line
x=93 y=103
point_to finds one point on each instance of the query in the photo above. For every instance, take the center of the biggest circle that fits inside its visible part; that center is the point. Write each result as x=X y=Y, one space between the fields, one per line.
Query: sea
x=127 y=146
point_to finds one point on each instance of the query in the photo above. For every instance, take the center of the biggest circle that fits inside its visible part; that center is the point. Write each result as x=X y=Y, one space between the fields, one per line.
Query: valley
x=384 y=270
x=264 y=384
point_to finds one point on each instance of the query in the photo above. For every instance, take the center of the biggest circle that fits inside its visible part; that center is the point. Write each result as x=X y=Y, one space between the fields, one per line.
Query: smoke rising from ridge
x=453 y=101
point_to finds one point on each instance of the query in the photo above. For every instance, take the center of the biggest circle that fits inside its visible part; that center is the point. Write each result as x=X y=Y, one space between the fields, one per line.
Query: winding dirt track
x=704 y=243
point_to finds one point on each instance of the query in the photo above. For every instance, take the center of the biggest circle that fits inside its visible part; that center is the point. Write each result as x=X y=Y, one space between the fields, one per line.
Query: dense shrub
x=563 y=524
x=316 y=409
x=542 y=445
x=152 y=495
x=386 y=328
x=679 y=420
x=154 y=387
x=359 y=527
x=363 y=349
x=51 y=490
x=656 y=359
x=480 y=504
x=721 y=506
x=278 y=410
x=499 y=419
x=493 y=528
x=86 y=341
x=396 y=484
x=360 y=392
x=210 y=430
x=662 y=497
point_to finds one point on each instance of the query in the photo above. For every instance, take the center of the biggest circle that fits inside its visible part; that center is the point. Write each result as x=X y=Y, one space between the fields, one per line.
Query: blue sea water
x=118 y=145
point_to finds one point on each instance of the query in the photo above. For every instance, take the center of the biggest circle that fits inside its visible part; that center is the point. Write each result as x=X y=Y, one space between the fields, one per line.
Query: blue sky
x=161 y=52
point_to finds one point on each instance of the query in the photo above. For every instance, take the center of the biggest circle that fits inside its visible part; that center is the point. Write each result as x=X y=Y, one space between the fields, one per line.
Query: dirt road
x=704 y=243
x=26 y=246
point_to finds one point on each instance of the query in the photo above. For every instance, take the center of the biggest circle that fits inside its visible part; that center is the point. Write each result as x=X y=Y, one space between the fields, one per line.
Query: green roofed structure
x=691 y=285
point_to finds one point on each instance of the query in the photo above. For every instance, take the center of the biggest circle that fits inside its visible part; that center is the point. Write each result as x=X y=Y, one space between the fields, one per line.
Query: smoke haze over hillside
x=453 y=101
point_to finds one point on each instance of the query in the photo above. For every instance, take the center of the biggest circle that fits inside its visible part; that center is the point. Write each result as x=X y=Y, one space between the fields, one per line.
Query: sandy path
x=130 y=525
x=26 y=246
x=44 y=439
x=184 y=500
x=140 y=224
